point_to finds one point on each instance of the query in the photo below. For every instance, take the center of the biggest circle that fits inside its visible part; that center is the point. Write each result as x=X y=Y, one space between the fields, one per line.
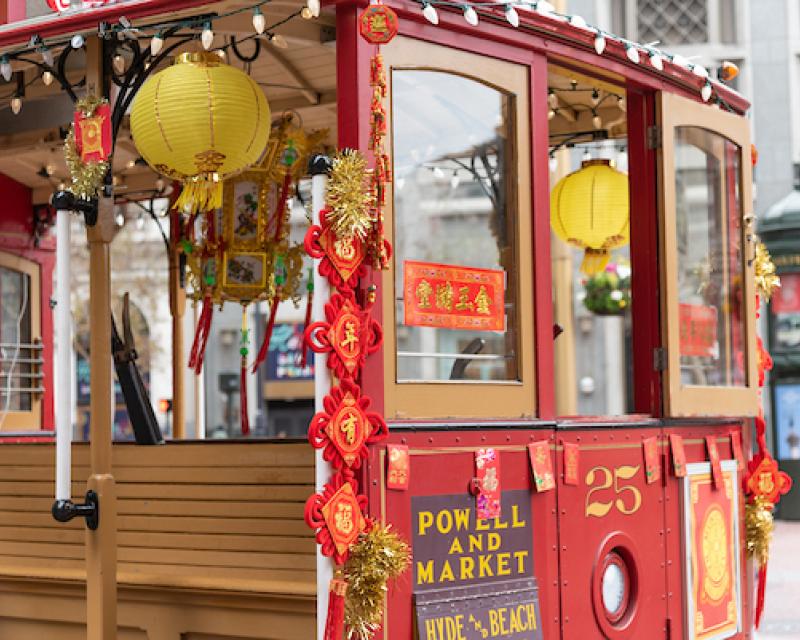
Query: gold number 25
x=602 y=478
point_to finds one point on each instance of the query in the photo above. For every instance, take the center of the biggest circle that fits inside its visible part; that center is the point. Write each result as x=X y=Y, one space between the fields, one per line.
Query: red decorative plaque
x=541 y=465
x=399 y=466
x=678 y=455
x=378 y=24
x=652 y=460
x=337 y=515
x=572 y=461
x=487 y=469
x=341 y=259
x=93 y=134
x=452 y=297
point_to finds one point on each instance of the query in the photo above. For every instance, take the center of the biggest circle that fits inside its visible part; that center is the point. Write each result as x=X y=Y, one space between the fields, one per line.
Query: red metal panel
x=695 y=447
x=612 y=507
x=443 y=463
x=644 y=253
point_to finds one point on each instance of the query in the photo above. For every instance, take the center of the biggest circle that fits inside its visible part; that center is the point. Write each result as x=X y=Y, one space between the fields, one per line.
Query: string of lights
x=636 y=52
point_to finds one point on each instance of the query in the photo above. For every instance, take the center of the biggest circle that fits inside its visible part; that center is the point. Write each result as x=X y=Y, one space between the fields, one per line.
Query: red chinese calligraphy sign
x=452 y=297
x=398 y=473
x=698 y=330
x=345 y=426
x=349 y=335
x=487 y=470
x=712 y=552
x=337 y=513
x=93 y=134
x=541 y=465
x=572 y=460
x=766 y=480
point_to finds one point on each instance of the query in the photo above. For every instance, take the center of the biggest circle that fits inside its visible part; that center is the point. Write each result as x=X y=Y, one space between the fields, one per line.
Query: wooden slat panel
x=228 y=513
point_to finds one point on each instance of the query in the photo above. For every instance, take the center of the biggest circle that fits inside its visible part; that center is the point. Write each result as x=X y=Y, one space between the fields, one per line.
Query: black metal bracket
x=66 y=510
x=66 y=200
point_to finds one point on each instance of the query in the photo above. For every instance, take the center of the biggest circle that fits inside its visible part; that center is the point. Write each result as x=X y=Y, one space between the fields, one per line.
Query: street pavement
x=781 y=619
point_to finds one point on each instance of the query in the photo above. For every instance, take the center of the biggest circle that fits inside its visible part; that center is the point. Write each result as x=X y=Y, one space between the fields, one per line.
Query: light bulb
x=578 y=21
x=586 y=156
x=62 y=186
x=544 y=7
x=313 y=7
x=430 y=13
x=470 y=15
x=50 y=168
x=140 y=223
x=552 y=99
x=259 y=21
x=16 y=105
x=77 y=41
x=551 y=114
x=47 y=56
x=679 y=61
x=220 y=53
x=656 y=60
x=5 y=68
x=599 y=43
x=438 y=173
x=595 y=97
x=306 y=14
x=47 y=78
x=455 y=180
x=632 y=53
x=700 y=71
x=131 y=163
x=279 y=41
x=705 y=92
x=120 y=220
x=119 y=63
x=207 y=37
x=156 y=44
x=597 y=122
x=512 y=16
x=623 y=106
x=552 y=163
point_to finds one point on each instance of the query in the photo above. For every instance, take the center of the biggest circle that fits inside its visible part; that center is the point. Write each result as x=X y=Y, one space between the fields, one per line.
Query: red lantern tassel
x=760 y=595
x=262 y=352
x=198 y=352
x=334 y=624
x=307 y=322
x=243 y=351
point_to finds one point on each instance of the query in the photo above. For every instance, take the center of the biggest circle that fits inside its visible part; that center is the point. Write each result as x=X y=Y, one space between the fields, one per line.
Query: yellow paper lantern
x=589 y=209
x=200 y=121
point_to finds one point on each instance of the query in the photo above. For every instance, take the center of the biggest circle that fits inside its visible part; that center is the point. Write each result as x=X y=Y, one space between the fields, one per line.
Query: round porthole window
x=615 y=587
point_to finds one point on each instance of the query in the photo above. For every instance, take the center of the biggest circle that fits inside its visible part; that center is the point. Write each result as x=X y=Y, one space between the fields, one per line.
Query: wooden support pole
x=101 y=544
x=177 y=308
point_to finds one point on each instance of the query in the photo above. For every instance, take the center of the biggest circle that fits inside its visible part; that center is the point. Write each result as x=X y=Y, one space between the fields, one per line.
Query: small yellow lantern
x=589 y=209
x=200 y=121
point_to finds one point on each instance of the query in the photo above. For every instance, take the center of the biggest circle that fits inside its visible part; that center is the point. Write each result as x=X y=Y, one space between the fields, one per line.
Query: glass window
x=455 y=229
x=710 y=261
x=16 y=350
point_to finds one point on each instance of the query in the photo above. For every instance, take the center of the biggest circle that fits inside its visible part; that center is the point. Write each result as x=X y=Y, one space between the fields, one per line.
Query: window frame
x=700 y=400
x=457 y=399
x=30 y=420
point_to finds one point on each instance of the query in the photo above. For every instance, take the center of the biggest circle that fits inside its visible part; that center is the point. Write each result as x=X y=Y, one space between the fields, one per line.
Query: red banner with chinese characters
x=93 y=134
x=451 y=297
x=714 y=556
x=698 y=325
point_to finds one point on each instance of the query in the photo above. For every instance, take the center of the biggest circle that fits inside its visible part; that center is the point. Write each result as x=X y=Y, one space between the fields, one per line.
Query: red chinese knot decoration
x=341 y=258
x=337 y=515
x=378 y=24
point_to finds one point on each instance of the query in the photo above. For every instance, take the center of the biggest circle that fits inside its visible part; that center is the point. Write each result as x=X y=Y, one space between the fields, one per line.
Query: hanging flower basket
x=609 y=292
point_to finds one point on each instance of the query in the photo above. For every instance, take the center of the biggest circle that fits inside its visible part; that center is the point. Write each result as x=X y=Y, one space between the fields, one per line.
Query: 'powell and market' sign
x=452 y=548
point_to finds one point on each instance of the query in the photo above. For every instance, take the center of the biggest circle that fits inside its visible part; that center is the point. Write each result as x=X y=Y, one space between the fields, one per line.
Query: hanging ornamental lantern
x=589 y=209
x=199 y=122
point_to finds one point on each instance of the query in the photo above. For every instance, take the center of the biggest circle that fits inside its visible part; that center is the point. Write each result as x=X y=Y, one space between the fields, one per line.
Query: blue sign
x=787 y=421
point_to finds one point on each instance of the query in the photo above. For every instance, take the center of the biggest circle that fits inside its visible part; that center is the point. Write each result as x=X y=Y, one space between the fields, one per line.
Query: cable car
x=568 y=368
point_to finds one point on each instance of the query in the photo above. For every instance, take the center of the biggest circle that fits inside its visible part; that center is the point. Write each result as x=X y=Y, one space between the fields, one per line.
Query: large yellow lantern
x=589 y=209
x=200 y=121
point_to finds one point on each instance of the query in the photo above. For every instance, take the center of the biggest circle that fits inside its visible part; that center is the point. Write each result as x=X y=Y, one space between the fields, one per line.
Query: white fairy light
x=438 y=173
x=47 y=78
x=700 y=71
x=512 y=16
x=595 y=97
x=587 y=155
x=656 y=59
x=259 y=20
x=551 y=114
x=552 y=99
x=632 y=53
x=544 y=7
x=5 y=68
x=278 y=41
x=156 y=44
x=578 y=21
x=622 y=104
x=16 y=105
x=680 y=61
x=119 y=63
x=77 y=41
x=470 y=15
x=705 y=92
x=455 y=180
x=313 y=7
x=599 y=43
x=207 y=36
x=552 y=164
x=597 y=121
x=47 y=56
x=430 y=13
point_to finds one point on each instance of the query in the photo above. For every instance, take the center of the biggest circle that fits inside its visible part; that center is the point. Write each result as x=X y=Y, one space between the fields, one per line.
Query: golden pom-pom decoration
x=766 y=278
x=379 y=555
x=349 y=196
x=759 y=525
x=87 y=177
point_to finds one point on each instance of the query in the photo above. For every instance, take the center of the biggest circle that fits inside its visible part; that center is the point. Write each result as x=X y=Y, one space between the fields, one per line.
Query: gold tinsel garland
x=87 y=177
x=759 y=525
x=379 y=555
x=766 y=278
x=348 y=197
